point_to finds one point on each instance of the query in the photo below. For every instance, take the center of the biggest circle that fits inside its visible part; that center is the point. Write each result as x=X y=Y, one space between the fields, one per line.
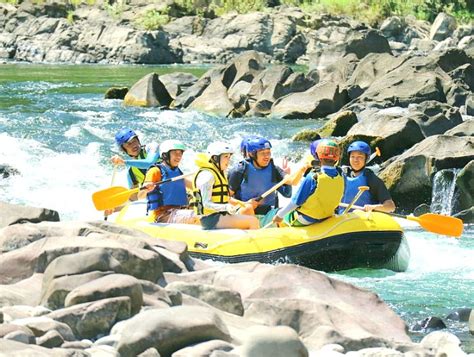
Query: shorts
x=210 y=221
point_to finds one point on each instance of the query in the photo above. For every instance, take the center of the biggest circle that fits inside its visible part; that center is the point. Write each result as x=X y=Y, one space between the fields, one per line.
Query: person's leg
x=238 y=221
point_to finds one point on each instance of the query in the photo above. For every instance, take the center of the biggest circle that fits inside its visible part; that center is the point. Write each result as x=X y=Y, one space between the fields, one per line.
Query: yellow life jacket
x=220 y=189
x=325 y=199
x=138 y=175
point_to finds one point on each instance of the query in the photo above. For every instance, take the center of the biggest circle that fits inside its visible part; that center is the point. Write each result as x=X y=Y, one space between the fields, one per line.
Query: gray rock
x=11 y=214
x=443 y=26
x=24 y=292
x=223 y=299
x=17 y=333
x=409 y=177
x=169 y=330
x=464 y=185
x=7 y=171
x=430 y=323
x=467 y=216
x=392 y=134
x=316 y=102
x=470 y=105
x=20 y=336
x=207 y=348
x=214 y=100
x=116 y=93
x=54 y=291
x=50 y=339
x=442 y=343
x=91 y=319
x=13 y=348
x=460 y=315
x=109 y=286
x=277 y=341
x=176 y=82
x=149 y=91
x=190 y=94
x=42 y=324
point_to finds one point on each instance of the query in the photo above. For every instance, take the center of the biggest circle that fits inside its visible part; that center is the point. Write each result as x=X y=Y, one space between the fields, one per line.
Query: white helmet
x=168 y=145
x=218 y=148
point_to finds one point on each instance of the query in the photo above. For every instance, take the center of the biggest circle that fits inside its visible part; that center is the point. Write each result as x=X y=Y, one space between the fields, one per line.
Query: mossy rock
x=307 y=135
x=339 y=125
x=116 y=93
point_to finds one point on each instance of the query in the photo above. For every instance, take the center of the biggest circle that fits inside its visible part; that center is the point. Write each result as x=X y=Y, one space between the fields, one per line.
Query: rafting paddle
x=362 y=189
x=432 y=222
x=115 y=196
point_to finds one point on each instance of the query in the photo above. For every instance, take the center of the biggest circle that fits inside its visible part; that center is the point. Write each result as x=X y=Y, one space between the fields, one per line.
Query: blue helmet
x=359 y=146
x=244 y=143
x=124 y=135
x=313 y=147
x=258 y=143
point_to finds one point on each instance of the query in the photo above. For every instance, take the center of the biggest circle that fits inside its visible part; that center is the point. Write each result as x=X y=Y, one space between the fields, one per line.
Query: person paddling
x=357 y=174
x=211 y=192
x=319 y=193
x=168 y=202
x=141 y=156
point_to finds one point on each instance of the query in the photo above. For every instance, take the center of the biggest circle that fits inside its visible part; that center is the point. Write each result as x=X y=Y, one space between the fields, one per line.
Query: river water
x=57 y=131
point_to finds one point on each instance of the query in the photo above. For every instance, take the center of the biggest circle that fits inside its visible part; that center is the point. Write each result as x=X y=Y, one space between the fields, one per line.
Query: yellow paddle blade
x=437 y=223
x=111 y=197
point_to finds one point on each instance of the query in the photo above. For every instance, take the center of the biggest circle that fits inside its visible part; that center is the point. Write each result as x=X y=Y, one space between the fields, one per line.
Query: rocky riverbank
x=95 y=288
x=55 y=32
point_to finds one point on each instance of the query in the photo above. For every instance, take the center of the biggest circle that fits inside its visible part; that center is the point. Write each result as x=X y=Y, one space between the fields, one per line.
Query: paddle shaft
x=111 y=184
x=362 y=189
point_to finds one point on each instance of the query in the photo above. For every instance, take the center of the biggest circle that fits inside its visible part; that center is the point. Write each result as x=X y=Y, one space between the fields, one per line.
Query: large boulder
x=434 y=117
x=316 y=102
x=321 y=309
x=149 y=91
x=391 y=133
x=91 y=319
x=464 y=187
x=409 y=176
x=466 y=128
x=11 y=214
x=168 y=330
x=213 y=99
x=176 y=82
x=266 y=89
x=109 y=286
x=35 y=257
x=223 y=299
x=416 y=80
x=443 y=27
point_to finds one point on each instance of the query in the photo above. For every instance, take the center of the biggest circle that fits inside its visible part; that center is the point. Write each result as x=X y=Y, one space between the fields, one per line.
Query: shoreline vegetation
x=372 y=12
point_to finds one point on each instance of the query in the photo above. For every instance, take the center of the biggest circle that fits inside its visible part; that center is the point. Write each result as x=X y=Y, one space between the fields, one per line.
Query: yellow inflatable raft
x=354 y=240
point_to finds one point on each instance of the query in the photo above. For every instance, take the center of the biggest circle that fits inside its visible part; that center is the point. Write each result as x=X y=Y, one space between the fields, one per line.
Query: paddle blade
x=111 y=197
x=437 y=223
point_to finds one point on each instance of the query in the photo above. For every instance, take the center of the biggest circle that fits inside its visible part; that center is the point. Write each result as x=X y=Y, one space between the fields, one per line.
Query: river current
x=57 y=131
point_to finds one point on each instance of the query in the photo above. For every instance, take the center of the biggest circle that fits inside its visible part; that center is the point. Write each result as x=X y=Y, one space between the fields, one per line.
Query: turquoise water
x=57 y=130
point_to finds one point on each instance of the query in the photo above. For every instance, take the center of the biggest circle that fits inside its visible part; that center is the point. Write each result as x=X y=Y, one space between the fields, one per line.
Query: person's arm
x=308 y=186
x=152 y=156
x=153 y=175
x=204 y=183
x=379 y=193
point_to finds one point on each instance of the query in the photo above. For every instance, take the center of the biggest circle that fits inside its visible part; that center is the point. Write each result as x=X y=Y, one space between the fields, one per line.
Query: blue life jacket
x=351 y=187
x=170 y=193
x=257 y=181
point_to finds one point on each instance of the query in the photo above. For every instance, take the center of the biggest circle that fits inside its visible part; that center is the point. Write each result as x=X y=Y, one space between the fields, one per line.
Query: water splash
x=444 y=184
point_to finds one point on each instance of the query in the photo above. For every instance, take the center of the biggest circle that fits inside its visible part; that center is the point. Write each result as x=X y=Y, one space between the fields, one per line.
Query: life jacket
x=254 y=182
x=220 y=189
x=170 y=193
x=138 y=175
x=325 y=199
x=351 y=189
